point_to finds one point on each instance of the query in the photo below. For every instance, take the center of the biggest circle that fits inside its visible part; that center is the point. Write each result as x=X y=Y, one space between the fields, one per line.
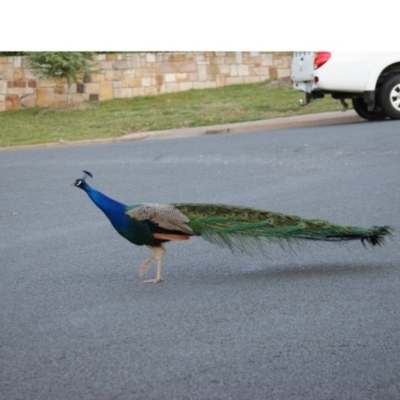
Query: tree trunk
x=69 y=83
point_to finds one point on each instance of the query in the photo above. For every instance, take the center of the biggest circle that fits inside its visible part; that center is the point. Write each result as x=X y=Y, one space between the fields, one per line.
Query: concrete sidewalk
x=329 y=118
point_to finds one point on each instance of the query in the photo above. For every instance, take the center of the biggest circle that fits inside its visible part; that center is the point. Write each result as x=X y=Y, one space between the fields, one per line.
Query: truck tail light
x=320 y=58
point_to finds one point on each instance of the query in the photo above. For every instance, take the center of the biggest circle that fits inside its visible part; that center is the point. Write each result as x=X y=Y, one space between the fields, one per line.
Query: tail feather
x=377 y=235
x=245 y=228
x=374 y=235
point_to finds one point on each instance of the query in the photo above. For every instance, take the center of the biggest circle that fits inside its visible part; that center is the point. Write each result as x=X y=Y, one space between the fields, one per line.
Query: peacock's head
x=81 y=182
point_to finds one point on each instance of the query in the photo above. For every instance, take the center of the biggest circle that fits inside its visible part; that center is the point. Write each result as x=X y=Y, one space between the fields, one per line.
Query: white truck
x=370 y=79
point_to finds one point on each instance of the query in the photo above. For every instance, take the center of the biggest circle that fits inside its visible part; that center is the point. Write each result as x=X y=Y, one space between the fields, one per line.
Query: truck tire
x=361 y=108
x=389 y=96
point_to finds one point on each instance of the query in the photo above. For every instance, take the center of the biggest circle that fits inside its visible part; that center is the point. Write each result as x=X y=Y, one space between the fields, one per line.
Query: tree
x=59 y=65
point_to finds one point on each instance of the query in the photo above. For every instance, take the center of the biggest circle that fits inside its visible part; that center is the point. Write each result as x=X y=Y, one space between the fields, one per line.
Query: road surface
x=320 y=321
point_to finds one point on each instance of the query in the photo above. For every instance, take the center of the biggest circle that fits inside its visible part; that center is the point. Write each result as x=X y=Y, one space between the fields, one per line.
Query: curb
x=328 y=118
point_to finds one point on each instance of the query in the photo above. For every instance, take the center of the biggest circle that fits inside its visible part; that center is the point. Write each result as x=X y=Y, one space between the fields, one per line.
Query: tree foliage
x=60 y=65
x=12 y=53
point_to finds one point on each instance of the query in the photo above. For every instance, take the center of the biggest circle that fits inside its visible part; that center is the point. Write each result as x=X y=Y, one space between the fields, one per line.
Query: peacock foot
x=155 y=280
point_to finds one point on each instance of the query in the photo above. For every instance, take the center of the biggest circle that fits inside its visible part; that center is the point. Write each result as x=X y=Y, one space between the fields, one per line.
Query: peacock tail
x=243 y=228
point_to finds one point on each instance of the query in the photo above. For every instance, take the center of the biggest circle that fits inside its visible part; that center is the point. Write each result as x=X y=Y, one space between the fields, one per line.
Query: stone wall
x=139 y=74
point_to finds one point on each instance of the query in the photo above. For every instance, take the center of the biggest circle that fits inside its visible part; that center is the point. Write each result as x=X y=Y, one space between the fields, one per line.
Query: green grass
x=238 y=103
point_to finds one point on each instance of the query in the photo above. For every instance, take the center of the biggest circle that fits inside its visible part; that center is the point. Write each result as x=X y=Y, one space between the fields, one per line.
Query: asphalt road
x=321 y=321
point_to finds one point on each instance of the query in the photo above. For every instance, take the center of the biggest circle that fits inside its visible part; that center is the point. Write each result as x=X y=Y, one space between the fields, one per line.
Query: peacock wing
x=164 y=215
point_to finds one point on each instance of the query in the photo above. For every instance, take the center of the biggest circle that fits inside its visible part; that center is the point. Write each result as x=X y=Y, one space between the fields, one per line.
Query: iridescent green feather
x=244 y=228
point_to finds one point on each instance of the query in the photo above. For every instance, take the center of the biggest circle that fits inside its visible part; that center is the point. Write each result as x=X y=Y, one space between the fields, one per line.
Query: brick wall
x=139 y=74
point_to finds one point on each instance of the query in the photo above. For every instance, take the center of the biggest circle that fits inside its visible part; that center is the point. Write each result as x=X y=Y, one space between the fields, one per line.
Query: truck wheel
x=389 y=96
x=361 y=108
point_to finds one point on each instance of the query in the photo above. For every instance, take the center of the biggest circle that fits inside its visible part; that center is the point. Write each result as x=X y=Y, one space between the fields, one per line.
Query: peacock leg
x=145 y=265
x=159 y=253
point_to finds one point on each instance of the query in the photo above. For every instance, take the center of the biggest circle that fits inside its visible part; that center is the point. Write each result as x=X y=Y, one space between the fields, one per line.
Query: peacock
x=235 y=227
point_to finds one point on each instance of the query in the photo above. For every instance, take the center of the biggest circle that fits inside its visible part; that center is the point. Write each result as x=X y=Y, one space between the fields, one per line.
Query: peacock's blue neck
x=114 y=210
